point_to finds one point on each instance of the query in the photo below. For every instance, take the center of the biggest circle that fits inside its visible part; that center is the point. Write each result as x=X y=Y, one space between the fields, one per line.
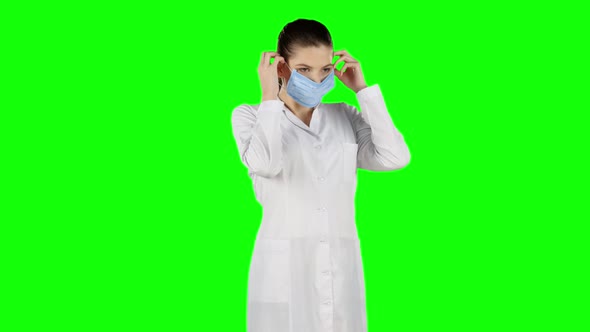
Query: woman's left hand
x=353 y=77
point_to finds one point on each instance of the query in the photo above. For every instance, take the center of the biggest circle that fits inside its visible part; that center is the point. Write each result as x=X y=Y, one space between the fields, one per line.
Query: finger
x=337 y=54
x=344 y=58
x=270 y=56
x=278 y=59
x=343 y=70
x=341 y=53
x=266 y=58
x=338 y=73
x=275 y=58
x=349 y=65
x=262 y=57
x=352 y=65
x=338 y=61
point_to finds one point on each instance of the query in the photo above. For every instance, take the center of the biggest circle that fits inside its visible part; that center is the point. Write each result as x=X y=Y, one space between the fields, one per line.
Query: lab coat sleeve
x=258 y=136
x=381 y=147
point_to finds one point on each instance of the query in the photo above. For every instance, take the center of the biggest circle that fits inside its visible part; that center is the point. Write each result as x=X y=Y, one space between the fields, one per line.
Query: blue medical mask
x=307 y=92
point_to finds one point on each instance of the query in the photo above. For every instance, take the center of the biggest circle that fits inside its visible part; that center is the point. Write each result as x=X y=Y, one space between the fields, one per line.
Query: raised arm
x=258 y=136
x=258 y=131
x=381 y=147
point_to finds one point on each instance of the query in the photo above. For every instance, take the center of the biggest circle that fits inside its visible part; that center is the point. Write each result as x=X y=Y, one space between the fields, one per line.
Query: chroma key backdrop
x=126 y=206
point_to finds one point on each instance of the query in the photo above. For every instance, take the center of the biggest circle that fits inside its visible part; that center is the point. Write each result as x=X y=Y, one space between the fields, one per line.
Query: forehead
x=314 y=56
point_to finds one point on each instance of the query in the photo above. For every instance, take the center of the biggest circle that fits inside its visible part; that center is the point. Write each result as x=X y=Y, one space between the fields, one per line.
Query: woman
x=306 y=273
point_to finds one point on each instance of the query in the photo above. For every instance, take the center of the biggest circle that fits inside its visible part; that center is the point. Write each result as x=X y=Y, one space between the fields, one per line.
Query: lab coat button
x=327 y=302
x=321 y=178
x=318 y=146
x=322 y=209
x=326 y=273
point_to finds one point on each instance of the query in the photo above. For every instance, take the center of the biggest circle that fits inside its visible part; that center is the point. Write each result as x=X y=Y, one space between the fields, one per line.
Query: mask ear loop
x=281 y=86
x=282 y=79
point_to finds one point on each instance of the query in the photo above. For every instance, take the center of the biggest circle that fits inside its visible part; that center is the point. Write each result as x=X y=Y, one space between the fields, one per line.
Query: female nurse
x=306 y=271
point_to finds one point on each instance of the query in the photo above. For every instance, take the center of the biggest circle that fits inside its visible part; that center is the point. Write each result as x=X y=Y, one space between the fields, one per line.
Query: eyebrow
x=303 y=64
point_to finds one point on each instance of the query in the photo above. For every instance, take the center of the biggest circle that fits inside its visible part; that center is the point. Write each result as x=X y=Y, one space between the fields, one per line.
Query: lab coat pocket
x=269 y=279
x=349 y=160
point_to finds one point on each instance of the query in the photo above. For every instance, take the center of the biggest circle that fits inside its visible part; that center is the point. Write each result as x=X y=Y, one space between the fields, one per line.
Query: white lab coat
x=306 y=272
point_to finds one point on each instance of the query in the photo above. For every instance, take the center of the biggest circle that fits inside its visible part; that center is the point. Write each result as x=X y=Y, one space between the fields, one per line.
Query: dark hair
x=302 y=33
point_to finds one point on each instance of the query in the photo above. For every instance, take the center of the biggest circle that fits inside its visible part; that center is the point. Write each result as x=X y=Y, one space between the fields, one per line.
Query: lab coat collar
x=313 y=124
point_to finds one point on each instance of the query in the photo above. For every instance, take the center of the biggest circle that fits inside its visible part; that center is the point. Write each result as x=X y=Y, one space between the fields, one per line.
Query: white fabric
x=306 y=272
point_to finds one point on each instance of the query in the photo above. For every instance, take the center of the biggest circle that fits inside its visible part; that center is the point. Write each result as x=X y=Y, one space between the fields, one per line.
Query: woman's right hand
x=269 y=77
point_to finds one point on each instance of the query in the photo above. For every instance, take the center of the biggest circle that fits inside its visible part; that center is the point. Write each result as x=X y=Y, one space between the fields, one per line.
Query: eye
x=303 y=69
x=327 y=70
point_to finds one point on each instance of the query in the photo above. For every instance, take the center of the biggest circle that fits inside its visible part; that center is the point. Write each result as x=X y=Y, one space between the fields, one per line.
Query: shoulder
x=339 y=109
x=252 y=110
x=244 y=112
x=245 y=108
x=338 y=106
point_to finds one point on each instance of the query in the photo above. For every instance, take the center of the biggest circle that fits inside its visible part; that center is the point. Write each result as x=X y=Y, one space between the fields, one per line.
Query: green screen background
x=126 y=206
